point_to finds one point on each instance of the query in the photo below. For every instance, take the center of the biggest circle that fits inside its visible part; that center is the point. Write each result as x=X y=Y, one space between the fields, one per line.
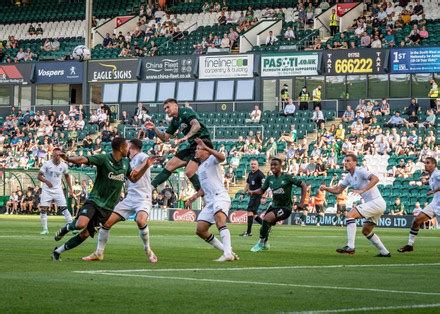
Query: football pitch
x=300 y=273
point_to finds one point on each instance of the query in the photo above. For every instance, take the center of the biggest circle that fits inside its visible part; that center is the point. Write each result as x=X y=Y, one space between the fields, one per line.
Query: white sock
x=43 y=219
x=215 y=242
x=377 y=243
x=102 y=240
x=226 y=240
x=67 y=216
x=351 y=232
x=61 y=249
x=412 y=236
x=144 y=233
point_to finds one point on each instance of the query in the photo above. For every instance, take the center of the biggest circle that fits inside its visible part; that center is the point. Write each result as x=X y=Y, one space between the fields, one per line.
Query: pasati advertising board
x=280 y=65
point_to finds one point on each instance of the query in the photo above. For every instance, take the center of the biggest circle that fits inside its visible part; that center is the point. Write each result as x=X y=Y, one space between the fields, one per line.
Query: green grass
x=31 y=282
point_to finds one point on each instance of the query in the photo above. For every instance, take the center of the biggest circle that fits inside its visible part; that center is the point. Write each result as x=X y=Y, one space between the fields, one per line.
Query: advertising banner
x=226 y=66
x=170 y=67
x=415 y=60
x=16 y=73
x=183 y=215
x=293 y=64
x=362 y=61
x=113 y=70
x=385 y=221
x=342 y=8
x=67 y=72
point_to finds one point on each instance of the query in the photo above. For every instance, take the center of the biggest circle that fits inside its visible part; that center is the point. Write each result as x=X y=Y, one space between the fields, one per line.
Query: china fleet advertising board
x=66 y=72
x=226 y=66
x=361 y=61
x=293 y=64
x=16 y=73
x=170 y=67
x=415 y=60
x=113 y=70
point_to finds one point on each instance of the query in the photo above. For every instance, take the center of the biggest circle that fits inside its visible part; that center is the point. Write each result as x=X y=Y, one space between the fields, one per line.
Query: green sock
x=264 y=230
x=161 y=178
x=195 y=182
x=73 y=242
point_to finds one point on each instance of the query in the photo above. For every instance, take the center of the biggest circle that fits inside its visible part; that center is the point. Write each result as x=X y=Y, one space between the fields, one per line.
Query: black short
x=254 y=203
x=280 y=213
x=341 y=208
x=189 y=153
x=97 y=215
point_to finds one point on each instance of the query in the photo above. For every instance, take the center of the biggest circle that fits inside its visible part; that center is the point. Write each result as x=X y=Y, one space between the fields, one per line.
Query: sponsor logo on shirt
x=116 y=177
x=278 y=191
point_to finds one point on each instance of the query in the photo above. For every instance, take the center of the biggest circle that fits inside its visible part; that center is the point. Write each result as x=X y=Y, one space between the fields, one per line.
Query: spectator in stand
x=397 y=209
x=221 y=20
x=413 y=107
x=348 y=115
x=412 y=121
x=423 y=33
x=271 y=39
x=39 y=30
x=365 y=40
x=290 y=108
x=106 y=42
x=20 y=55
x=31 y=30
x=418 y=8
x=414 y=37
x=289 y=34
x=376 y=43
x=318 y=118
x=233 y=36
x=226 y=43
x=430 y=119
x=255 y=115
x=395 y=121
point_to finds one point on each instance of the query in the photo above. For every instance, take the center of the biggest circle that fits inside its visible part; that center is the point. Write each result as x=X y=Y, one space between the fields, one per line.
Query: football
x=81 y=53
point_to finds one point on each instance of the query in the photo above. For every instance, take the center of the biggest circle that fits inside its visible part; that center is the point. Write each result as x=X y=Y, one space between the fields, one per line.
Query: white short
x=213 y=207
x=372 y=210
x=431 y=210
x=56 y=197
x=126 y=208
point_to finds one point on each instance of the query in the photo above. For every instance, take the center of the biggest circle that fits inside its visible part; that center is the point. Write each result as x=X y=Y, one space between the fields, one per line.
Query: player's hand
x=189 y=202
x=357 y=192
x=430 y=192
x=49 y=185
x=201 y=143
x=151 y=160
x=149 y=125
x=323 y=187
x=178 y=141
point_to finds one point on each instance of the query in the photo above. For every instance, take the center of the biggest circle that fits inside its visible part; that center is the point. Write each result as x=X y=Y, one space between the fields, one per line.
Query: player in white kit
x=217 y=200
x=363 y=183
x=51 y=175
x=430 y=211
x=137 y=201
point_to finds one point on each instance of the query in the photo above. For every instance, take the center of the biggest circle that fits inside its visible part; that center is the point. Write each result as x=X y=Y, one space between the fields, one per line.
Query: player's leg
x=172 y=165
x=418 y=221
x=144 y=233
x=45 y=203
x=204 y=222
x=220 y=221
x=70 y=244
x=191 y=174
x=271 y=217
x=85 y=215
x=367 y=231
x=350 y=220
x=61 y=203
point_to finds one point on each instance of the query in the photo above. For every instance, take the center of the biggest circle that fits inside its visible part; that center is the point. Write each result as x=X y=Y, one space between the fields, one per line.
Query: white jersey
x=54 y=174
x=359 y=180
x=140 y=191
x=211 y=179
x=434 y=184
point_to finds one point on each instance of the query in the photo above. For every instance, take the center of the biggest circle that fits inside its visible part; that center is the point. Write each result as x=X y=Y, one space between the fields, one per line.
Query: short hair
x=117 y=142
x=168 y=100
x=137 y=143
x=253 y=159
x=277 y=159
x=432 y=159
x=56 y=149
x=352 y=156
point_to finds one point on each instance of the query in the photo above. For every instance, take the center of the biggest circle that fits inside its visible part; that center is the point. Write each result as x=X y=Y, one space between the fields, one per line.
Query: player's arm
x=261 y=190
x=41 y=178
x=303 y=187
x=246 y=188
x=336 y=189
x=219 y=156
x=138 y=172
x=76 y=160
x=192 y=199
x=195 y=128
x=69 y=184
x=163 y=136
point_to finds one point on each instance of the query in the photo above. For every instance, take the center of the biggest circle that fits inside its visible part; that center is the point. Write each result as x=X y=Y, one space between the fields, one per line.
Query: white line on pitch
x=377 y=308
x=255 y=268
x=276 y=284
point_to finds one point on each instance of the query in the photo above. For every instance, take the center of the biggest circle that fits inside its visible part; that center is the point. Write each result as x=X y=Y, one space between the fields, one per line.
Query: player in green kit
x=281 y=185
x=186 y=121
x=111 y=171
